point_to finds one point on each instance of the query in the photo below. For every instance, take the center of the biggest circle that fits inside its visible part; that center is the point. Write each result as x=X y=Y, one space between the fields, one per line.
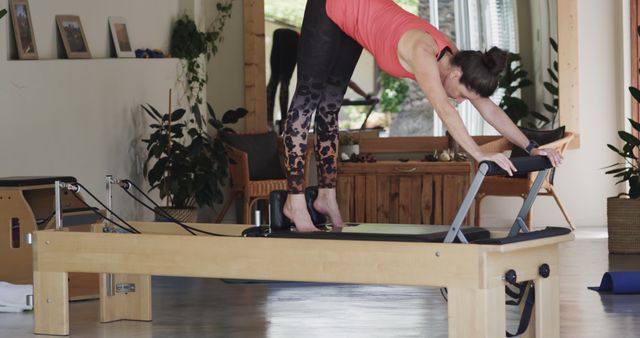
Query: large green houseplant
x=186 y=164
x=623 y=211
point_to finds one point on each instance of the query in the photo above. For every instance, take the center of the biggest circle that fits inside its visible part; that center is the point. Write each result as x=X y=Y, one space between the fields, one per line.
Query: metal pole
x=58 y=206
x=108 y=181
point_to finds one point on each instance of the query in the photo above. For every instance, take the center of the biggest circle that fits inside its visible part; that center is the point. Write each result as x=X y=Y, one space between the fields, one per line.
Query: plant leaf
x=629 y=138
x=615 y=171
x=635 y=124
x=177 y=114
x=212 y=113
x=540 y=117
x=553 y=75
x=550 y=108
x=232 y=116
x=635 y=93
x=551 y=88
x=554 y=44
x=150 y=113
x=197 y=114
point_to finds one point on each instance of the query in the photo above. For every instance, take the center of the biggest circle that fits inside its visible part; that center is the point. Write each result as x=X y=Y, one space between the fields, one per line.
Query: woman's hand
x=552 y=154
x=500 y=160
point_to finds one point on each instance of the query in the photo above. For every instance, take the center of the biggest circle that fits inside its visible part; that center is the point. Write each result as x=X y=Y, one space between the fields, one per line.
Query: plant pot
x=350 y=149
x=185 y=215
x=623 y=218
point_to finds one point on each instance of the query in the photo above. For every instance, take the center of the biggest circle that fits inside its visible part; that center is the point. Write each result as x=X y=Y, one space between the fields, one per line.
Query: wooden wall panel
x=254 y=66
x=568 y=67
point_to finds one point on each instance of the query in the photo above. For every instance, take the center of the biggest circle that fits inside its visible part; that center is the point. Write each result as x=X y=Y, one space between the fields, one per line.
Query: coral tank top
x=378 y=26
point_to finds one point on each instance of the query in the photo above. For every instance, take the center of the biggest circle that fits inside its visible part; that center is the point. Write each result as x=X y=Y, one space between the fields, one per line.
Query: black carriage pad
x=25 y=181
x=435 y=237
x=522 y=164
x=522 y=237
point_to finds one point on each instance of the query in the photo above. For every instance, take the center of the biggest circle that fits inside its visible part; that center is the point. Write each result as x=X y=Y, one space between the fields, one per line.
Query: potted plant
x=186 y=164
x=623 y=211
x=189 y=44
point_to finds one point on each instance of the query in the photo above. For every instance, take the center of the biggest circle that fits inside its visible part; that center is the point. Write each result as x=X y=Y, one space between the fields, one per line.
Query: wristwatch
x=532 y=144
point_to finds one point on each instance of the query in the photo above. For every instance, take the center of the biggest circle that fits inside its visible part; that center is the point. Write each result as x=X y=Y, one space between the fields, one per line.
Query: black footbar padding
x=470 y=233
x=523 y=165
x=22 y=181
x=310 y=195
x=527 y=236
x=279 y=222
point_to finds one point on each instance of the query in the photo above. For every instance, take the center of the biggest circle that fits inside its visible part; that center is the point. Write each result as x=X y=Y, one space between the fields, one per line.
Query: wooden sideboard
x=412 y=192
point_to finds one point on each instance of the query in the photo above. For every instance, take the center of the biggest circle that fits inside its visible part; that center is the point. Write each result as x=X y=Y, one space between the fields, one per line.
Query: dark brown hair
x=480 y=71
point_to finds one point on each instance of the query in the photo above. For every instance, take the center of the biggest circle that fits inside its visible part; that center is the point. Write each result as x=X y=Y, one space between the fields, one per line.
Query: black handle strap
x=524 y=164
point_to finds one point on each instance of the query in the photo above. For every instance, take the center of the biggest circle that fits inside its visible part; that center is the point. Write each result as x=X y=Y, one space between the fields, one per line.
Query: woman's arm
x=496 y=117
x=499 y=120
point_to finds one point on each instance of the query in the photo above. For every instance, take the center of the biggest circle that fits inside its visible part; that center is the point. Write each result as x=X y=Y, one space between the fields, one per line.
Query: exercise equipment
x=475 y=275
x=27 y=204
x=619 y=282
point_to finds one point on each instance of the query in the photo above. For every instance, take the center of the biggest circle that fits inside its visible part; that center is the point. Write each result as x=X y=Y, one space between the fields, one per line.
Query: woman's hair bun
x=495 y=60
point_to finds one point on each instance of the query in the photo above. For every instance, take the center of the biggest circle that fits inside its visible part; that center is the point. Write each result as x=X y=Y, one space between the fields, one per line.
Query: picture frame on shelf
x=120 y=37
x=23 y=29
x=73 y=38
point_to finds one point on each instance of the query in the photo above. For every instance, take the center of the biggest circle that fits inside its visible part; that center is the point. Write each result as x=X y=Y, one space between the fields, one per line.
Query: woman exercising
x=332 y=37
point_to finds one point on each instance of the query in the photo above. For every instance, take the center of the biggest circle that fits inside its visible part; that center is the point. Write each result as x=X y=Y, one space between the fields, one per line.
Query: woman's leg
x=327 y=128
x=319 y=41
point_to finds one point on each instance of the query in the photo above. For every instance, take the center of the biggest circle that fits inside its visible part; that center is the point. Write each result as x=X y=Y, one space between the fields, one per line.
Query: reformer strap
x=527 y=311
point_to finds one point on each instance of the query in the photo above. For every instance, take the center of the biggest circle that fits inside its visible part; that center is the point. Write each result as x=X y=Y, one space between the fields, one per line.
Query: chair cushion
x=262 y=152
x=541 y=136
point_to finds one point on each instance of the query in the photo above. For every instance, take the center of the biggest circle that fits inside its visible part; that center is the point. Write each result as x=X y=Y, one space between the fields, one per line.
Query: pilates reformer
x=474 y=274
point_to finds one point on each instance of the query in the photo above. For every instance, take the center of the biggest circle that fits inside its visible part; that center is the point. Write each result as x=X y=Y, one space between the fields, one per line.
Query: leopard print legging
x=327 y=58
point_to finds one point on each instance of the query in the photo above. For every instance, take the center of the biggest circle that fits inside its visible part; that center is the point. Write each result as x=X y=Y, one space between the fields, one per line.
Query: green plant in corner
x=630 y=152
x=188 y=166
x=552 y=87
x=514 y=79
x=190 y=45
x=3 y=12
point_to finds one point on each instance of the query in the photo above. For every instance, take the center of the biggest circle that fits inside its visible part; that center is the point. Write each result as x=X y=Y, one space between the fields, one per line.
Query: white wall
x=82 y=117
x=581 y=183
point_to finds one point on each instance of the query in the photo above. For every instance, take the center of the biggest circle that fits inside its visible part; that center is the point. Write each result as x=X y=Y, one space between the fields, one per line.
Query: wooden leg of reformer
x=51 y=303
x=118 y=304
x=545 y=320
x=547 y=308
x=477 y=313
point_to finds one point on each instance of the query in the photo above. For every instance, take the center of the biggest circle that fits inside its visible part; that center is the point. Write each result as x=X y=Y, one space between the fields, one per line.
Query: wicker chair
x=508 y=186
x=252 y=190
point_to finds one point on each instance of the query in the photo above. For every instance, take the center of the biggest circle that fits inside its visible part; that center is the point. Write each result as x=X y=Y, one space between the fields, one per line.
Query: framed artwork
x=73 y=39
x=23 y=29
x=120 y=36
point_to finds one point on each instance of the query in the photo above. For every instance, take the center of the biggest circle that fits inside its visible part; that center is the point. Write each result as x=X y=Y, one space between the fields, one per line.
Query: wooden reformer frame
x=475 y=275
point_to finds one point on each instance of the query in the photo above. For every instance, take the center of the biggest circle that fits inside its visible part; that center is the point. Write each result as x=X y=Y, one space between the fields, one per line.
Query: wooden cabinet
x=411 y=192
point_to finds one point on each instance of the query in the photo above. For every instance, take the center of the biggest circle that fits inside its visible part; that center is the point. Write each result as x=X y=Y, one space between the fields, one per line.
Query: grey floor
x=212 y=308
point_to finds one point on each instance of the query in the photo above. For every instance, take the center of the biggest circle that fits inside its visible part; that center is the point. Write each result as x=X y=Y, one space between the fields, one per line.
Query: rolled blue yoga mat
x=623 y=282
